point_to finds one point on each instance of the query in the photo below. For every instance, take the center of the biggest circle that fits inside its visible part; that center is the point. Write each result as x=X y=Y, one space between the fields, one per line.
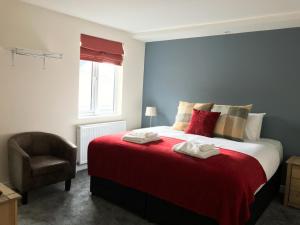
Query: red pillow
x=203 y=123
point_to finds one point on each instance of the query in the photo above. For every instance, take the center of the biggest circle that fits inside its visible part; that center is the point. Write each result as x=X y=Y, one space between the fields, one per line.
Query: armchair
x=37 y=159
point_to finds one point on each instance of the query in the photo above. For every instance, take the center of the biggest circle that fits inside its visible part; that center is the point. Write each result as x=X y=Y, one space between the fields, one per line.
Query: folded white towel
x=140 y=134
x=141 y=137
x=196 y=149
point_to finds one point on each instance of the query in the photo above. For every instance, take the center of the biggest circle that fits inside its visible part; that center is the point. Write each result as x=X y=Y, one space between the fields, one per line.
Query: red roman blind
x=101 y=50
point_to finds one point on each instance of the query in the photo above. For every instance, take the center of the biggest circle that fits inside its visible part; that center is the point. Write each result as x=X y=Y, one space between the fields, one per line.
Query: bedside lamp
x=151 y=111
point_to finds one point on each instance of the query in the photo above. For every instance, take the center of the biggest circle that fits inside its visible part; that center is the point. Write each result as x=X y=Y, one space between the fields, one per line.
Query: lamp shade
x=150 y=111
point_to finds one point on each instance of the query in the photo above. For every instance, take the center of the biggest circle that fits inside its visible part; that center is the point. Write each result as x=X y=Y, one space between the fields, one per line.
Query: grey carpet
x=53 y=206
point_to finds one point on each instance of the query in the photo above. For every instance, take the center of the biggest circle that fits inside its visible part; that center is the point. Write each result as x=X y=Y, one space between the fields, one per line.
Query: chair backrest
x=35 y=143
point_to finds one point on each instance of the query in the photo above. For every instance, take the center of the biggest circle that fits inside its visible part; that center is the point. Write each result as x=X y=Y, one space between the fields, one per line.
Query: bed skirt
x=160 y=211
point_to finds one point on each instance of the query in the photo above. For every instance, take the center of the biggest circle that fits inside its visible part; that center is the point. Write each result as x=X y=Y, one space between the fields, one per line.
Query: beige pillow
x=184 y=113
x=232 y=121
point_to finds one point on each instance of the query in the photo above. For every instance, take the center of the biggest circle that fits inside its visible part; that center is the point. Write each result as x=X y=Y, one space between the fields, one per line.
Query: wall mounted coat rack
x=34 y=53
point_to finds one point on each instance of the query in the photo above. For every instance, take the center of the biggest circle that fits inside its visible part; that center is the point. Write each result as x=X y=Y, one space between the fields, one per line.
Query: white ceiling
x=171 y=19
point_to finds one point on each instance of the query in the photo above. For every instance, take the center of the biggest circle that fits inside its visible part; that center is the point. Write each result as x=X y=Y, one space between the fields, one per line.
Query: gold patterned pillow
x=232 y=121
x=184 y=113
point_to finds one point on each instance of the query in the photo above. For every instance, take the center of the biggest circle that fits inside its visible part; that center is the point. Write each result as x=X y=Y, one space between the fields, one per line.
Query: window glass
x=106 y=87
x=98 y=88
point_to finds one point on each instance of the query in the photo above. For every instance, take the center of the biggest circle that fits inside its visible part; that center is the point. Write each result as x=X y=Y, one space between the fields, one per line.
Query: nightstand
x=292 y=186
x=8 y=206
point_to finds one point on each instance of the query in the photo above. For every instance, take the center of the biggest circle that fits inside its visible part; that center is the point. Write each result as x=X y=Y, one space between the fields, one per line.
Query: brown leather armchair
x=37 y=159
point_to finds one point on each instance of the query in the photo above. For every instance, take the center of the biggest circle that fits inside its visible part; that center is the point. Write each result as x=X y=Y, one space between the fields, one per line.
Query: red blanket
x=221 y=187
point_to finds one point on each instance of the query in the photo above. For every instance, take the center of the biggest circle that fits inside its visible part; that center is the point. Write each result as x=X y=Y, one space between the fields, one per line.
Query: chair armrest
x=66 y=150
x=19 y=166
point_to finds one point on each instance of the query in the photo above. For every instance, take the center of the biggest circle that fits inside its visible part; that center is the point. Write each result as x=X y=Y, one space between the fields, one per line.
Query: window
x=99 y=85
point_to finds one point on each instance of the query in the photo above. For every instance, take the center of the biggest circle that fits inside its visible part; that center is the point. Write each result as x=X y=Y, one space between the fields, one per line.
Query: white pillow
x=253 y=126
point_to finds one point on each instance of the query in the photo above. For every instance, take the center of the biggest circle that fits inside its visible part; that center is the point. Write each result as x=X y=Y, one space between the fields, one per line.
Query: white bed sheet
x=268 y=152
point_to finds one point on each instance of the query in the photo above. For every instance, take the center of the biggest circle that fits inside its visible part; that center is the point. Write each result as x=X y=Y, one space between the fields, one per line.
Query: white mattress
x=268 y=152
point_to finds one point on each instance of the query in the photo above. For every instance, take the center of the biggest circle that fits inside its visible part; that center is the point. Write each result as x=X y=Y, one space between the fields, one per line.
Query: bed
x=232 y=188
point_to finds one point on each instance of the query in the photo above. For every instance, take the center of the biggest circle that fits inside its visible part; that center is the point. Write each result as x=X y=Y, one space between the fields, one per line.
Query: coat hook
x=44 y=62
x=13 y=51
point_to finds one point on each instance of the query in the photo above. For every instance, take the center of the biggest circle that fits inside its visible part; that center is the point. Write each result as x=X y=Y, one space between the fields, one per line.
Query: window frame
x=94 y=103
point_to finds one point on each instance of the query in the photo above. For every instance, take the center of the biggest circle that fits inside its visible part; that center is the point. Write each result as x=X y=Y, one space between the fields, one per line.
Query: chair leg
x=68 y=185
x=24 y=198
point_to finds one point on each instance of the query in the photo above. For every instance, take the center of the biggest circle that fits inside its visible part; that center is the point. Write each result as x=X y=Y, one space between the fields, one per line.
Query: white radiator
x=87 y=133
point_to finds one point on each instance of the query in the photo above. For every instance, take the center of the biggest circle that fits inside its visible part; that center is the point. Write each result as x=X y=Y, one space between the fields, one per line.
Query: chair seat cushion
x=47 y=164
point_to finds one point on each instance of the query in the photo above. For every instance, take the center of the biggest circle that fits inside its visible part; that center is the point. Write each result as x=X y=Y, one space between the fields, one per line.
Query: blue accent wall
x=262 y=68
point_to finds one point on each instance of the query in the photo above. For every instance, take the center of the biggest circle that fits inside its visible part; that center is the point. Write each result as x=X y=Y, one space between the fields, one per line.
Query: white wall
x=47 y=100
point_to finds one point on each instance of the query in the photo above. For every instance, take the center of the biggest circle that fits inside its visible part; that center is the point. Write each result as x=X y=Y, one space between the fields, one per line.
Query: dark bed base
x=162 y=212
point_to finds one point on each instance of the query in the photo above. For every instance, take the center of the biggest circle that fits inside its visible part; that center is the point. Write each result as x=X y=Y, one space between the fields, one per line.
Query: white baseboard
x=81 y=167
